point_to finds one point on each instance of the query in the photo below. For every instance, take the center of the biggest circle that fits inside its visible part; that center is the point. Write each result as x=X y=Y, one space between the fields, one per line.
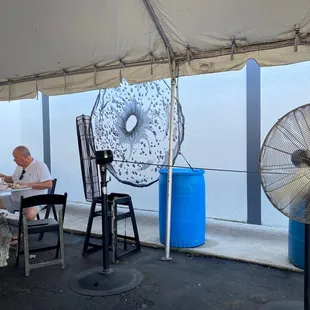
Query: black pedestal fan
x=285 y=175
x=104 y=280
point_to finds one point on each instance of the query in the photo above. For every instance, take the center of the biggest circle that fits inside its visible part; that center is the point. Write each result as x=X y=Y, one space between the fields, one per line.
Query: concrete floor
x=184 y=283
x=249 y=243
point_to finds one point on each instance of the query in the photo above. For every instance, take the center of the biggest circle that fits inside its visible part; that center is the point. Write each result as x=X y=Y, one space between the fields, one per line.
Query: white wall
x=65 y=157
x=215 y=137
x=214 y=110
x=10 y=131
x=31 y=126
x=20 y=123
x=212 y=139
x=214 y=107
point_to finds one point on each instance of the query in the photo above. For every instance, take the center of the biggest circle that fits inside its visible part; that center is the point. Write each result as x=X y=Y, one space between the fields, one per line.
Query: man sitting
x=30 y=173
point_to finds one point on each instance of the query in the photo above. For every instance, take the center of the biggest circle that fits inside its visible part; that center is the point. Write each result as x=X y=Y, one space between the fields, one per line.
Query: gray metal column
x=46 y=131
x=253 y=129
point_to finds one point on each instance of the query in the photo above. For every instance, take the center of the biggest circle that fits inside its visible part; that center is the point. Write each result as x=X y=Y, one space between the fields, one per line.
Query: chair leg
x=134 y=225
x=58 y=244
x=58 y=247
x=18 y=241
x=41 y=236
x=26 y=246
x=47 y=214
x=54 y=212
x=89 y=226
x=61 y=240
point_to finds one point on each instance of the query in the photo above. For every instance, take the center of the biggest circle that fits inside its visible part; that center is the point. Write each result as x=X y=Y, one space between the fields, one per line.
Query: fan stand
x=105 y=281
x=296 y=304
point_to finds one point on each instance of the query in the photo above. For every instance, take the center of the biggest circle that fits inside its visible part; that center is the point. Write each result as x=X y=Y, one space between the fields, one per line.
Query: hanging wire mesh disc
x=133 y=122
x=284 y=164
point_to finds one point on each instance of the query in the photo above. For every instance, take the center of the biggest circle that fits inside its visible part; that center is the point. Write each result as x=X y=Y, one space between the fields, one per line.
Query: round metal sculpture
x=133 y=121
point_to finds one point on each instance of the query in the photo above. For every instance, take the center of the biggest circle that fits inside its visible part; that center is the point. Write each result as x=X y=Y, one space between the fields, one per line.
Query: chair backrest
x=89 y=168
x=45 y=199
x=52 y=190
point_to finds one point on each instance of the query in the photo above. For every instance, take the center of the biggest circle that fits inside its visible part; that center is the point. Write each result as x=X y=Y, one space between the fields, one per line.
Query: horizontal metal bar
x=122 y=216
x=94 y=244
x=45 y=264
x=122 y=237
x=37 y=250
x=125 y=253
x=196 y=54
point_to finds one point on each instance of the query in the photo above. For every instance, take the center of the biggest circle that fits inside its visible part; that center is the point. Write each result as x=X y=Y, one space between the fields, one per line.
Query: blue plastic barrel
x=296 y=236
x=188 y=207
x=296 y=243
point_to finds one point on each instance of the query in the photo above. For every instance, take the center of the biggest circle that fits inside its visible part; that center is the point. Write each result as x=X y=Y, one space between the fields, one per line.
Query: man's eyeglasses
x=22 y=174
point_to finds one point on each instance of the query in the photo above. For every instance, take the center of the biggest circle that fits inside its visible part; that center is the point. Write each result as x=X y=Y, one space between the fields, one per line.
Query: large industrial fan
x=285 y=175
x=103 y=280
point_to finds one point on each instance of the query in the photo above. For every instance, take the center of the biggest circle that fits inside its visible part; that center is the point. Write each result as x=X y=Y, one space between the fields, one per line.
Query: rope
x=193 y=168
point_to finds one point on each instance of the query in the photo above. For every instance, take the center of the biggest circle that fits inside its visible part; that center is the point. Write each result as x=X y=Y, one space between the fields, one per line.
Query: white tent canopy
x=67 y=46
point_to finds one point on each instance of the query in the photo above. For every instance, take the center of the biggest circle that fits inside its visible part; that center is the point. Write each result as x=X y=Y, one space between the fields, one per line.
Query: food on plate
x=16 y=186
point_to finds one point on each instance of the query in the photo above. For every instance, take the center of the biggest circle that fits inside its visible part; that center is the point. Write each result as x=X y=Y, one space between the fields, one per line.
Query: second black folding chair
x=27 y=228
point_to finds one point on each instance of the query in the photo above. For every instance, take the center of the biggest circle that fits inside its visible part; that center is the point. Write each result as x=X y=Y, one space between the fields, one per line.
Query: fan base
x=95 y=283
x=283 y=305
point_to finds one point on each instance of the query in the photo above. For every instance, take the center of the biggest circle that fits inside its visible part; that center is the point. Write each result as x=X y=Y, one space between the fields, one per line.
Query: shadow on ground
x=184 y=283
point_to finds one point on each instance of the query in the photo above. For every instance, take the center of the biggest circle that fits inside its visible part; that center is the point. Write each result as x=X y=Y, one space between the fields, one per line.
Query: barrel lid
x=187 y=171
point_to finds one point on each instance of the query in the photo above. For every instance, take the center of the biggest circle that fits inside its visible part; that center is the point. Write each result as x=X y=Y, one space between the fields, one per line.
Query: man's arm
x=40 y=185
x=7 y=178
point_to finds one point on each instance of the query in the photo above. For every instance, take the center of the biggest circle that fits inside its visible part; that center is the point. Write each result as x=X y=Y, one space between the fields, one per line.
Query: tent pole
x=170 y=163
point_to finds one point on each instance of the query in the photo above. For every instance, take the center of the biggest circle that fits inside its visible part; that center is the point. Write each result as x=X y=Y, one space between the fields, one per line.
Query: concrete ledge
x=256 y=244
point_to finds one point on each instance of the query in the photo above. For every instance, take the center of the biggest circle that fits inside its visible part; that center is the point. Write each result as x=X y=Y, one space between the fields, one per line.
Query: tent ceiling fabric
x=68 y=46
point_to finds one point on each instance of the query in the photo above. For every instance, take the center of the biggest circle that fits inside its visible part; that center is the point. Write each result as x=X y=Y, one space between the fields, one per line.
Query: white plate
x=3 y=187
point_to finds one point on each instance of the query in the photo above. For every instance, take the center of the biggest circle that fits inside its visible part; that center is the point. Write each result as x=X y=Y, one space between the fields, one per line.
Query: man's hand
x=7 y=179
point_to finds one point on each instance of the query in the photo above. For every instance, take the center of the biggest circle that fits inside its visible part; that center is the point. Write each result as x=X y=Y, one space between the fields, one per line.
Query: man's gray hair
x=23 y=150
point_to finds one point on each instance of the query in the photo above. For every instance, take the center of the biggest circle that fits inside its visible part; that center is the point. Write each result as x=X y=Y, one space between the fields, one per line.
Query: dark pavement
x=184 y=283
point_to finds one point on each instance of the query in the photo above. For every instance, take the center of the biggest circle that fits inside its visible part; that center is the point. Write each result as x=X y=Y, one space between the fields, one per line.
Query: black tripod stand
x=103 y=281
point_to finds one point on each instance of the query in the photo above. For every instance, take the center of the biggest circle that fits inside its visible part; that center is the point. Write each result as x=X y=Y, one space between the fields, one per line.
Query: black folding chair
x=26 y=228
x=48 y=208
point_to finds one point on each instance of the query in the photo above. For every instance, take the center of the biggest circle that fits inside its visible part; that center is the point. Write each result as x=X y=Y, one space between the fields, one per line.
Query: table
x=10 y=190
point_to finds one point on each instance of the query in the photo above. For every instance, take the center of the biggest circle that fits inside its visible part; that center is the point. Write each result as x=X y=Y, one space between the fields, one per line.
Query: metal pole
x=46 y=131
x=170 y=163
x=307 y=268
x=105 y=222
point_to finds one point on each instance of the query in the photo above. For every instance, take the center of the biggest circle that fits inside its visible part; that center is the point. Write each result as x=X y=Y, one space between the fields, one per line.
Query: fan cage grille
x=285 y=164
x=89 y=168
